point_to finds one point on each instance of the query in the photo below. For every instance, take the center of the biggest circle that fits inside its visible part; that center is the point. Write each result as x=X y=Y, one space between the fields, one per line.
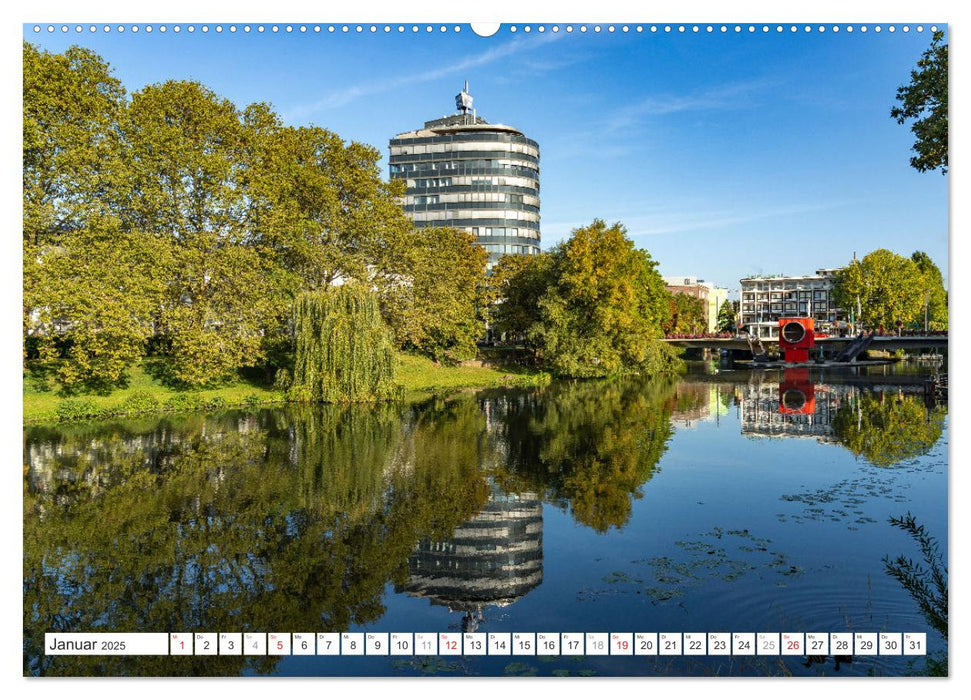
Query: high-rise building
x=464 y=172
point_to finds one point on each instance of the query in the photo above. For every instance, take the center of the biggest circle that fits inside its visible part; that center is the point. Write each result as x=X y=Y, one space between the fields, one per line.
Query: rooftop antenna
x=463 y=100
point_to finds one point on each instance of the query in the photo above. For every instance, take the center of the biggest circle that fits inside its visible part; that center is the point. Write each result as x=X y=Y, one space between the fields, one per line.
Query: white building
x=764 y=300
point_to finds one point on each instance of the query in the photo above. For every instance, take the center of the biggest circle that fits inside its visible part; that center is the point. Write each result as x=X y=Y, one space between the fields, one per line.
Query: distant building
x=712 y=296
x=464 y=172
x=764 y=300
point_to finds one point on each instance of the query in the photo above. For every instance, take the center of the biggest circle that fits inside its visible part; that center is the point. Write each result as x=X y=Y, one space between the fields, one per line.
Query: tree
x=435 y=302
x=934 y=294
x=72 y=155
x=687 y=314
x=73 y=171
x=604 y=309
x=726 y=318
x=516 y=285
x=885 y=286
x=344 y=350
x=97 y=293
x=186 y=150
x=924 y=100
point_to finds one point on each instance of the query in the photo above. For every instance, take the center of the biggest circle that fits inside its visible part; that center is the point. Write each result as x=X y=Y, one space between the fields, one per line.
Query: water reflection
x=300 y=519
x=884 y=423
x=493 y=559
x=588 y=447
x=283 y=520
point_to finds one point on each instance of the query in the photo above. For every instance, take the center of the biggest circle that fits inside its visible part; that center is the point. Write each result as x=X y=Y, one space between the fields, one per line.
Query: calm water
x=738 y=501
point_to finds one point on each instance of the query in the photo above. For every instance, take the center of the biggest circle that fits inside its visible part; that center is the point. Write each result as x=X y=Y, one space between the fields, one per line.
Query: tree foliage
x=885 y=286
x=435 y=300
x=593 y=307
x=516 y=285
x=934 y=294
x=107 y=283
x=726 y=318
x=687 y=314
x=924 y=100
x=242 y=215
x=72 y=152
x=344 y=350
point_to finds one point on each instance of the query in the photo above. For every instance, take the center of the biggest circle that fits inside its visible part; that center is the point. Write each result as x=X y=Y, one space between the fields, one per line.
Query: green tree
x=686 y=314
x=886 y=288
x=726 y=318
x=516 y=285
x=318 y=205
x=924 y=100
x=604 y=309
x=186 y=152
x=435 y=300
x=73 y=170
x=97 y=294
x=934 y=295
x=344 y=350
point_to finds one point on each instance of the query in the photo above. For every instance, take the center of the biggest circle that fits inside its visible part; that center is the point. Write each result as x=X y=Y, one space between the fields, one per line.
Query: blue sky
x=724 y=154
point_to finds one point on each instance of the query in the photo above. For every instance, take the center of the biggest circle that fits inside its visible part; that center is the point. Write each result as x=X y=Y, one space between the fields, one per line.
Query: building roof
x=822 y=273
x=438 y=128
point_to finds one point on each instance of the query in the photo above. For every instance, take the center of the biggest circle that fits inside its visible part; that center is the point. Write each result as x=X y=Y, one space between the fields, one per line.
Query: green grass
x=43 y=402
x=421 y=374
x=143 y=394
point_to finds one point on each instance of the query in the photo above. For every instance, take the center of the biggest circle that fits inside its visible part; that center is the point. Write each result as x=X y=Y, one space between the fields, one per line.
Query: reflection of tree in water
x=493 y=559
x=926 y=583
x=275 y=521
x=586 y=445
x=887 y=428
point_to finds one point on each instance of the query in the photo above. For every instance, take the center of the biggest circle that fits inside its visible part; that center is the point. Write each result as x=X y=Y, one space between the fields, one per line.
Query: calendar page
x=438 y=349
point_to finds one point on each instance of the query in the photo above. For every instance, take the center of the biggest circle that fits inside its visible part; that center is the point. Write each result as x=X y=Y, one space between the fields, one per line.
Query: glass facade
x=462 y=172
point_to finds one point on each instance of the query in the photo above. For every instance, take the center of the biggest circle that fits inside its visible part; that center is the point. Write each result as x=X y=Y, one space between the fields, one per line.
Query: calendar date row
x=489 y=644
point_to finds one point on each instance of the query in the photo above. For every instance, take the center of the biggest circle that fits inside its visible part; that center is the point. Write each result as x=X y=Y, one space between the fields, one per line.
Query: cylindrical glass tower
x=463 y=172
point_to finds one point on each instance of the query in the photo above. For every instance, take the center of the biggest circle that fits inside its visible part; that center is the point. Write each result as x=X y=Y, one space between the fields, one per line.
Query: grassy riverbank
x=43 y=402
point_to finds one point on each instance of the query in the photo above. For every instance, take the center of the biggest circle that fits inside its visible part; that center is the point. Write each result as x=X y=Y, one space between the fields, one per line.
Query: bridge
x=880 y=342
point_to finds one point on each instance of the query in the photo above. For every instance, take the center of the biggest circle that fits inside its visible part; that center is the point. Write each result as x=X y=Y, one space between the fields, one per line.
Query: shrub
x=183 y=402
x=76 y=409
x=140 y=402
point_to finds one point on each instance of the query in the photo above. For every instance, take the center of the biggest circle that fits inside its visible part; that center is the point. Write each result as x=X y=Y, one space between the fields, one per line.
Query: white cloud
x=344 y=96
x=729 y=96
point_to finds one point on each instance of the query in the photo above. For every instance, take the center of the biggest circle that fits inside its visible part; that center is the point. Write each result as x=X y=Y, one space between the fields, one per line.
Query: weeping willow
x=344 y=349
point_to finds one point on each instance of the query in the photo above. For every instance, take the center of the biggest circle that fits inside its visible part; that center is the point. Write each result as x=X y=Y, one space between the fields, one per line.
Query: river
x=730 y=501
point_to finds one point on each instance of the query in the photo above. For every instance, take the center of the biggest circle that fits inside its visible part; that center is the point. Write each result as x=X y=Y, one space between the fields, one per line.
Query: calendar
x=384 y=644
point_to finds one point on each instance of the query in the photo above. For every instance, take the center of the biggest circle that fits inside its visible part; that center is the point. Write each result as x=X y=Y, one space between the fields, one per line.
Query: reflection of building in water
x=792 y=408
x=493 y=559
x=699 y=402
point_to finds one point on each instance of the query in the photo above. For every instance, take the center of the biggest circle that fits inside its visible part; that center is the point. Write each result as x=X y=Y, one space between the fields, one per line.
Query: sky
x=724 y=154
